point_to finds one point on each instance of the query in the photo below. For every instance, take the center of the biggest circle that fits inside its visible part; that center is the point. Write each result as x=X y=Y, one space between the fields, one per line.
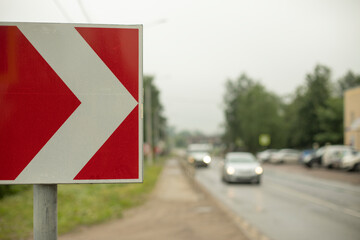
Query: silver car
x=199 y=159
x=264 y=156
x=350 y=161
x=285 y=156
x=241 y=167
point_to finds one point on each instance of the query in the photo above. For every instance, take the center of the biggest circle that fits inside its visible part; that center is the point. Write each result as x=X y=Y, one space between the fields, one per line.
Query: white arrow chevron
x=105 y=103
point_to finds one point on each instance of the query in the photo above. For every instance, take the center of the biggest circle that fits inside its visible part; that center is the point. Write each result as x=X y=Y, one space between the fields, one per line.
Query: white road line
x=315 y=200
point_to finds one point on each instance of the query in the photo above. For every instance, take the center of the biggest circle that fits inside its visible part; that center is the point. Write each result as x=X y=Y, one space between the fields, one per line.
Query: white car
x=199 y=159
x=285 y=156
x=241 y=167
x=264 y=156
x=333 y=155
x=351 y=161
x=199 y=154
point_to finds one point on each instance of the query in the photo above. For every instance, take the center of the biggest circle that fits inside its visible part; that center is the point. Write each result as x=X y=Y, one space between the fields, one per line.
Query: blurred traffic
x=299 y=189
x=199 y=154
x=339 y=157
x=241 y=167
x=266 y=189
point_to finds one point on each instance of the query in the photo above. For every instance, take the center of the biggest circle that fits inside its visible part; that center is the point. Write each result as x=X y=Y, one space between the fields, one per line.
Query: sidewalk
x=175 y=210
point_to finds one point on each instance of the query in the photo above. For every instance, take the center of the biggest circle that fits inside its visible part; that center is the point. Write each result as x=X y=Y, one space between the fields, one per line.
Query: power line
x=84 y=11
x=67 y=16
x=62 y=10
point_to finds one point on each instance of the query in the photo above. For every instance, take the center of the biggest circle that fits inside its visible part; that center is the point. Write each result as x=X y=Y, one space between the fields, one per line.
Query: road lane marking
x=309 y=181
x=249 y=230
x=316 y=200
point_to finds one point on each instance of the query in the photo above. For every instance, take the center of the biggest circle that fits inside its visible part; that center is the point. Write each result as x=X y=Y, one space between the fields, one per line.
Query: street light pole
x=148 y=122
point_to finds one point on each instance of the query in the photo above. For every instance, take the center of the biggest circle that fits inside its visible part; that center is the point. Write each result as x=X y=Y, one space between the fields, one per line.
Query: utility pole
x=148 y=122
x=156 y=129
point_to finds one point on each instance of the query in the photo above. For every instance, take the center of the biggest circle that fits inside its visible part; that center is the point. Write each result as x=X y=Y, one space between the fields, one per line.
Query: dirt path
x=176 y=210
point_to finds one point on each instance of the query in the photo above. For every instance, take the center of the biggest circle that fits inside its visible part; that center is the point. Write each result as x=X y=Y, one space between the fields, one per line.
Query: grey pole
x=149 y=122
x=45 y=212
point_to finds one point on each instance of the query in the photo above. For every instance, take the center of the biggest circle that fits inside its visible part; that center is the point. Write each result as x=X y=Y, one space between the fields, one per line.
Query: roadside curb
x=249 y=231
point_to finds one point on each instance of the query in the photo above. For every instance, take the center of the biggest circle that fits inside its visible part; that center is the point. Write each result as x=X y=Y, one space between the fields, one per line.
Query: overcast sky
x=193 y=46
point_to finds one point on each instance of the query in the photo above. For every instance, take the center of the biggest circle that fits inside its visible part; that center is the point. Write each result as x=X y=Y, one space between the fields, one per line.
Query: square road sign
x=70 y=103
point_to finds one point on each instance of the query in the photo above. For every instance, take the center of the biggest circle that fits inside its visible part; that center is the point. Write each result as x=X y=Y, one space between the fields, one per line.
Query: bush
x=6 y=190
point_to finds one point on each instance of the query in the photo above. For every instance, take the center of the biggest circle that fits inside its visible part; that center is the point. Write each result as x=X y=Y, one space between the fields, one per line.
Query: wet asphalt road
x=290 y=206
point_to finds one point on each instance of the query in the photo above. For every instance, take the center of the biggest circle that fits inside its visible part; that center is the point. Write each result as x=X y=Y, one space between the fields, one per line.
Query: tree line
x=155 y=122
x=312 y=114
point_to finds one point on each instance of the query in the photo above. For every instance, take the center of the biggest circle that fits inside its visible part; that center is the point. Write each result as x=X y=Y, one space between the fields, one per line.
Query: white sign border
x=139 y=27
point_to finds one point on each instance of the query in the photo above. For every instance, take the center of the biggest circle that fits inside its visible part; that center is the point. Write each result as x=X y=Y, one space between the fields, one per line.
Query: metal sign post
x=70 y=110
x=45 y=212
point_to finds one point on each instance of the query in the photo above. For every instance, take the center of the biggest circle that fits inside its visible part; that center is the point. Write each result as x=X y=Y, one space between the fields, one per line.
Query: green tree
x=350 y=80
x=331 y=116
x=158 y=121
x=331 y=122
x=293 y=123
x=315 y=113
x=182 y=139
x=304 y=109
x=250 y=110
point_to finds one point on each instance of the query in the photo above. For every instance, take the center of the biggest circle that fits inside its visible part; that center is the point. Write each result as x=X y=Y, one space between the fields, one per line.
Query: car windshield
x=240 y=159
x=349 y=152
x=320 y=151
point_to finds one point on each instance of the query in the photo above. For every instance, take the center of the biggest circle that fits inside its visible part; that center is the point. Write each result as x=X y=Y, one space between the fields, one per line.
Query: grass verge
x=78 y=205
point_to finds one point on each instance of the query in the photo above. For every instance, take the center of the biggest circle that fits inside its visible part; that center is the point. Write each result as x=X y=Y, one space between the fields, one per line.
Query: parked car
x=285 y=156
x=199 y=154
x=305 y=153
x=241 y=167
x=315 y=158
x=333 y=155
x=264 y=156
x=351 y=161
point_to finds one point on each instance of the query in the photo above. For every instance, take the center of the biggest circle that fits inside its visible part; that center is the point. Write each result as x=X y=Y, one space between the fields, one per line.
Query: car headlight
x=207 y=159
x=230 y=170
x=259 y=170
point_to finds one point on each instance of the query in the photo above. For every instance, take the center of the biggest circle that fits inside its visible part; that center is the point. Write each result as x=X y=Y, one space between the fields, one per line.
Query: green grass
x=78 y=205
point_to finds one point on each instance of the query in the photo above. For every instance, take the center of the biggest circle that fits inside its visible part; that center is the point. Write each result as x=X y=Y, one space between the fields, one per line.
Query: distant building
x=352 y=117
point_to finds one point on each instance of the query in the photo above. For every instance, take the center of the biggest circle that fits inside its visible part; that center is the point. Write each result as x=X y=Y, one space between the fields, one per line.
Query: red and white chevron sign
x=70 y=99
